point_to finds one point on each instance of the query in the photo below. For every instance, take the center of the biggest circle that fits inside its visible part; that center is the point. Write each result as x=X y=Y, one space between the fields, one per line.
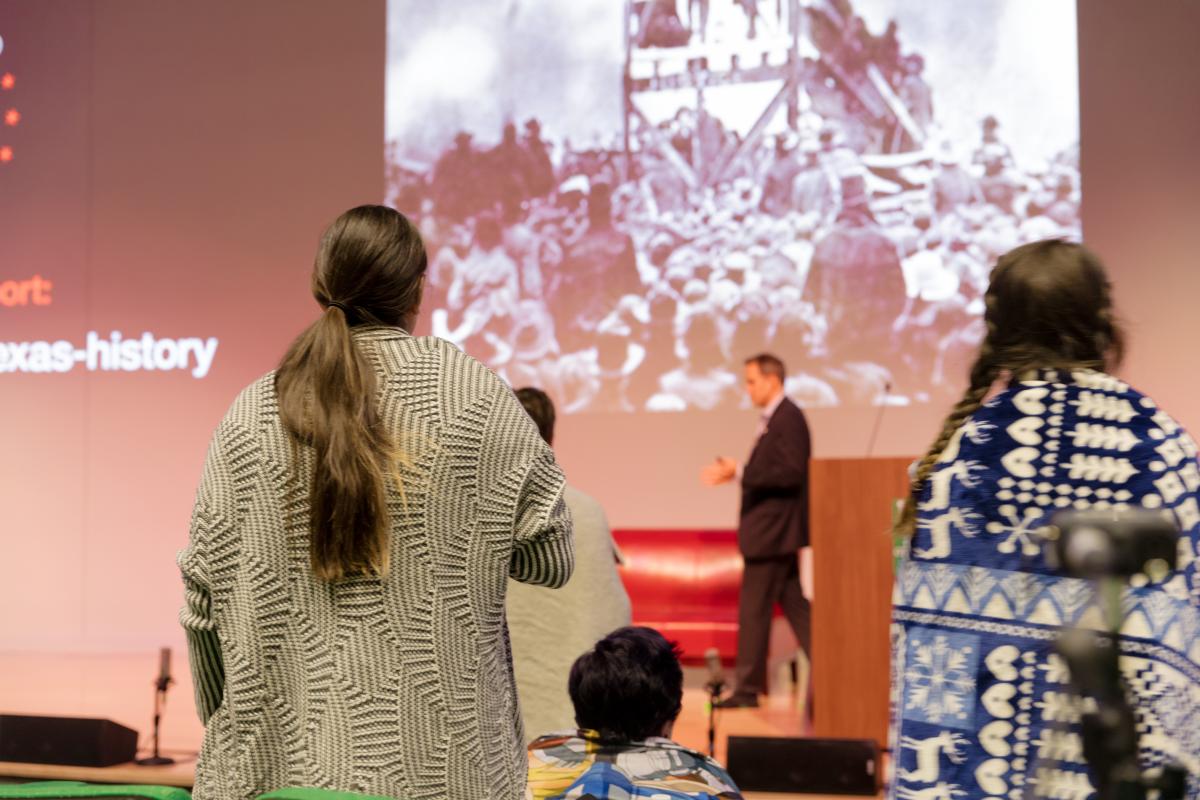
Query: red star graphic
x=12 y=117
x=8 y=81
x=6 y=154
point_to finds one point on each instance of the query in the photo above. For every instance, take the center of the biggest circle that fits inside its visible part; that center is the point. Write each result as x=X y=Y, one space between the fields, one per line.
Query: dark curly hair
x=540 y=408
x=1048 y=306
x=628 y=687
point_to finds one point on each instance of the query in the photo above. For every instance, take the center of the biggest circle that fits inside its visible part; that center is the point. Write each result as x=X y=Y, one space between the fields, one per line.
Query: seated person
x=627 y=692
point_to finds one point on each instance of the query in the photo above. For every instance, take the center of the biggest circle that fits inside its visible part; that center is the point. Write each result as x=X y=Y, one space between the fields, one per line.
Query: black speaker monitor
x=808 y=766
x=73 y=741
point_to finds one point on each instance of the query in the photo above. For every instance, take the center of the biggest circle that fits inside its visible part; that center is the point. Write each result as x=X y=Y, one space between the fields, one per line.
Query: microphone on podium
x=883 y=403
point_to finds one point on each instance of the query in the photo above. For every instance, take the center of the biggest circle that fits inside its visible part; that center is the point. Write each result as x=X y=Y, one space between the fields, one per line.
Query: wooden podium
x=850 y=513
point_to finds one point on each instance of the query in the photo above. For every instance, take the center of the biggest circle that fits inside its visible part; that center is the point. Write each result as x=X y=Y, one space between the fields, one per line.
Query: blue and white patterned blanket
x=982 y=705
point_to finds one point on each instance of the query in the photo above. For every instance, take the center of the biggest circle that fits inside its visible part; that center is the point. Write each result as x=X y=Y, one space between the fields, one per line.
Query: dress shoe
x=738 y=700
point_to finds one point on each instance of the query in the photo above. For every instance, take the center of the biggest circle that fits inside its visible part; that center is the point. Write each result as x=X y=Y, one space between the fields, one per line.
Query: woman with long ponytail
x=361 y=510
x=982 y=703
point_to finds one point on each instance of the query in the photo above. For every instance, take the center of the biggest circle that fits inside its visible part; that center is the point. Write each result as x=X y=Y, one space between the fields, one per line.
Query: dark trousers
x=766 y=582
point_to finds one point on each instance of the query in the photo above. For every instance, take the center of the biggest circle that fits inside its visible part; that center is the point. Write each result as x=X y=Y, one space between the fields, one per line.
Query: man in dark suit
x=773 y=525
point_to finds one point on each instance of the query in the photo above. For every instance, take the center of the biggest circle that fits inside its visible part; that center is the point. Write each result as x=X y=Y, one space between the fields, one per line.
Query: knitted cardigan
x=401 y=685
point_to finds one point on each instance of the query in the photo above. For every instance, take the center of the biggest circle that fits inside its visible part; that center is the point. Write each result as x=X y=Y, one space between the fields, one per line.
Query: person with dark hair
x=539 y=169
x=773 y=525
x=856 y=281
x=914 y=92
x=658 y=340
x=1043 y=426
x=659 y=24
x=991 y=146
x=598 y=270
x=361 y=510
x=627 y=692
x=777 y=183
x=454 y=177
x=592 y=603
x=540 y=408
x=812 y=193
x=503 y=179
x=703 y=381
x=486 y=288
x=952 y=185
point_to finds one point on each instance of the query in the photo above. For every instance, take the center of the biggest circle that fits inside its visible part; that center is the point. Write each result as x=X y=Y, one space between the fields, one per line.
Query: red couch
x=685 y=583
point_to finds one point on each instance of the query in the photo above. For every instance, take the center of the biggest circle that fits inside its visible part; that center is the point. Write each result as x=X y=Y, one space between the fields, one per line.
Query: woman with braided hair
x=982 y=705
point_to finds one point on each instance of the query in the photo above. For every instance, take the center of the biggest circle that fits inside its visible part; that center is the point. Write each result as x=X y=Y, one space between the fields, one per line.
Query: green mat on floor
x=317 y=794
x=55 y=789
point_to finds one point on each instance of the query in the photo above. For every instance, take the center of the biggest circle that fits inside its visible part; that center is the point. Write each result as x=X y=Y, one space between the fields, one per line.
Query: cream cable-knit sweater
x=401 y=686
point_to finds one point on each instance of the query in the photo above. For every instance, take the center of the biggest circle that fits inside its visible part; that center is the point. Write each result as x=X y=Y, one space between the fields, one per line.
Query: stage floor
x=778 y=714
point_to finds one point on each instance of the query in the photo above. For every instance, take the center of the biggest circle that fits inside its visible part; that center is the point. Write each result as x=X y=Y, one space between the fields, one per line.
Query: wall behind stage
x=1140 y=115
x=206 y=147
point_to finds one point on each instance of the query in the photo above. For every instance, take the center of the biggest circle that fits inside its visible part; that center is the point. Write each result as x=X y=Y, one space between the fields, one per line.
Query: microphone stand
x=1110 y=734
x=160 y=701
x=883 y=401
x=715 y=686
x=1110 y=547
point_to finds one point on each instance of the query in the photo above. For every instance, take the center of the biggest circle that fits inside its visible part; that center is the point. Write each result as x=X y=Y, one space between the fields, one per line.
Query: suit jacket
x=774 y=518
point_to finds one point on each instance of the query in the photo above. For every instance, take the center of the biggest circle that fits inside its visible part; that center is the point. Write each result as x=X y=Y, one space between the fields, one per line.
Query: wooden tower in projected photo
x=792 y=52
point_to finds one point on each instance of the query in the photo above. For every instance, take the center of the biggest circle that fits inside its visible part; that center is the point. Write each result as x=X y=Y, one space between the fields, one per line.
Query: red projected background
x=172 y=169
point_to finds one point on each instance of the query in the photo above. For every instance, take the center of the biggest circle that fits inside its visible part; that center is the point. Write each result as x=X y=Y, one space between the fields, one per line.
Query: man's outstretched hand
x=722 y=470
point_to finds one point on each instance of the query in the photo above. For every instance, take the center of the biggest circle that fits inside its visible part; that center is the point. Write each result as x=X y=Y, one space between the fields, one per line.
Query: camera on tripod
x=1111 y=547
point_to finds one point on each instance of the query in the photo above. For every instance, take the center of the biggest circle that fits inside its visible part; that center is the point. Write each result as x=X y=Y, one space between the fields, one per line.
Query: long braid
x=983 y=373
x=1109 y=338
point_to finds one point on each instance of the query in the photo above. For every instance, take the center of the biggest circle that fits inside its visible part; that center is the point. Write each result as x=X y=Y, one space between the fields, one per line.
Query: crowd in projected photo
x=783 y=175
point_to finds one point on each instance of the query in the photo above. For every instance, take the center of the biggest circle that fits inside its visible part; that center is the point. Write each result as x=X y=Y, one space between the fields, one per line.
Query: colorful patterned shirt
x=577 y=764
x=982 y=703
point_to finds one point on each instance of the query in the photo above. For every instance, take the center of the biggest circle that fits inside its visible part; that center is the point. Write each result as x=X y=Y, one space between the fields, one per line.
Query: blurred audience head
x=540 y=408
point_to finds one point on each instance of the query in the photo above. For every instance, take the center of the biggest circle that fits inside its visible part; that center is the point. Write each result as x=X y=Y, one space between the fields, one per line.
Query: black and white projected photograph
x=622 y=201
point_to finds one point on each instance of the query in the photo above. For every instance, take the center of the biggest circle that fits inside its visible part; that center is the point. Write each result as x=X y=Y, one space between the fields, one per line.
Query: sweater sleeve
x=196 y=616
x=204 y=649
x=543 y=545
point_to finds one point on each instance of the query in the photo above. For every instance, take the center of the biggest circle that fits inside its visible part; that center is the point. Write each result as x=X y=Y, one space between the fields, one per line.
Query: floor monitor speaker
x=809 y=766
x=74 y=741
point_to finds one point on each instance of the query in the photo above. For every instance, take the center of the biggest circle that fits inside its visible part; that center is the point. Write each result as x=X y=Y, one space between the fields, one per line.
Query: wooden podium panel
x=850 y=513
